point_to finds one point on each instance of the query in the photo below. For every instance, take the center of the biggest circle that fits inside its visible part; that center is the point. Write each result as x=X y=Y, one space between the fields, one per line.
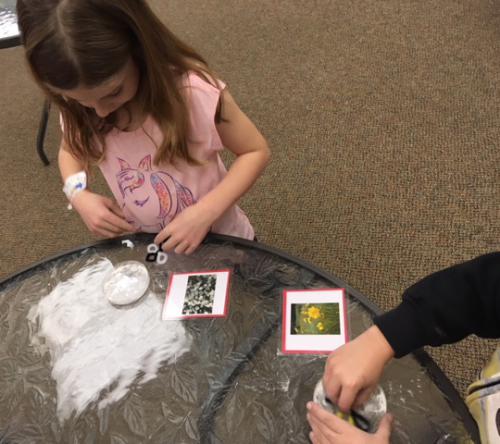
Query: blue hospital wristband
x=74 y=184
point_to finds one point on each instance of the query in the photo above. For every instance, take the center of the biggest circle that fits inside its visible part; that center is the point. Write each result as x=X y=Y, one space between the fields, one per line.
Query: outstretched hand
x=353 y=370
x=330 y=429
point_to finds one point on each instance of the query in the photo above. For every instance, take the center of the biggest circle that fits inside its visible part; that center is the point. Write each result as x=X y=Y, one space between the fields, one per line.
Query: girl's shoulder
x=200 y=81
x=202 y=94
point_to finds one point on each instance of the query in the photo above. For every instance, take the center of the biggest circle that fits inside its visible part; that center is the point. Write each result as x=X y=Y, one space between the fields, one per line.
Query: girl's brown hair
x=72 y=43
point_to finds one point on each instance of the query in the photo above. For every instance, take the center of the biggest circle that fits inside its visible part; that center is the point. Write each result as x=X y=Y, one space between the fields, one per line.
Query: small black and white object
x=155 y=254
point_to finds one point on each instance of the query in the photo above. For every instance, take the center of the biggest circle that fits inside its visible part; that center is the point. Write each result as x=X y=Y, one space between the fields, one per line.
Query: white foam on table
x=98 y=350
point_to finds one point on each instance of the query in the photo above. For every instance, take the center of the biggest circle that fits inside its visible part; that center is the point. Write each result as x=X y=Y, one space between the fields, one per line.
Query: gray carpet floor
x=383 y=119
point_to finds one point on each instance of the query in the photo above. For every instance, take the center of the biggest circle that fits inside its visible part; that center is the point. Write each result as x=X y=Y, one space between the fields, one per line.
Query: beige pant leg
x=483 y=400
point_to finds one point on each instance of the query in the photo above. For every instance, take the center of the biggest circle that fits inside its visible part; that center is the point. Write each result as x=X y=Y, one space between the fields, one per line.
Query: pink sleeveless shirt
x=150 y=195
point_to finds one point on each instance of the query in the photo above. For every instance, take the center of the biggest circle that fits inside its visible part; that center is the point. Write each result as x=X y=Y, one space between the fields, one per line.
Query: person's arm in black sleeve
x=446 y=307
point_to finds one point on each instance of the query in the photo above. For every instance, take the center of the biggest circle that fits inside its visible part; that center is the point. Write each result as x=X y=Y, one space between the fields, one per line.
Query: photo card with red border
x=314 y=321
x=199 y=294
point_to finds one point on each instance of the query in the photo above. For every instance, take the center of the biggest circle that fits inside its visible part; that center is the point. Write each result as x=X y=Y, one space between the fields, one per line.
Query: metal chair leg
x=42 y=129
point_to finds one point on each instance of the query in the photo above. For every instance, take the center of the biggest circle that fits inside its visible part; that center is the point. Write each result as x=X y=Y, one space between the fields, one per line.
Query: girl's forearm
x=68 y=165
x=243 y=173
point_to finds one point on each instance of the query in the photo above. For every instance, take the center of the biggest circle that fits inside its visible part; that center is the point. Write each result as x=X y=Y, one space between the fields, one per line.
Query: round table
x=217 y=380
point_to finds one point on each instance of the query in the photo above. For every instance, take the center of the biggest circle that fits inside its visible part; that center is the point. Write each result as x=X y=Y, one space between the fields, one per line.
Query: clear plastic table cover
x=8 y=19
x=72 y=371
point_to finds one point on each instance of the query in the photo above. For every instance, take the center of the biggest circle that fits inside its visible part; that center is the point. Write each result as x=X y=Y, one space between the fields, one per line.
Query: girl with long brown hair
x=146 y=109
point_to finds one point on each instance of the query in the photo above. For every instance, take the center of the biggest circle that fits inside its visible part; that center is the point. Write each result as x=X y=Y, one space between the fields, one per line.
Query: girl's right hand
x=102 y=216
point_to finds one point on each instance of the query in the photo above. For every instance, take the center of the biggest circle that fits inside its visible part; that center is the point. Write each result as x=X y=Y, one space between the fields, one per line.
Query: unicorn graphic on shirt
x=151 y=198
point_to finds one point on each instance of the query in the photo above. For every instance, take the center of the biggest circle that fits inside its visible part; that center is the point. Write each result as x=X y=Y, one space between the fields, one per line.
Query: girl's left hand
x=330 y=429
x=186 y=231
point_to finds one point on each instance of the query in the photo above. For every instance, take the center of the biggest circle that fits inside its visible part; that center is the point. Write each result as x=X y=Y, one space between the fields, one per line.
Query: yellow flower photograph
x=315 y=319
